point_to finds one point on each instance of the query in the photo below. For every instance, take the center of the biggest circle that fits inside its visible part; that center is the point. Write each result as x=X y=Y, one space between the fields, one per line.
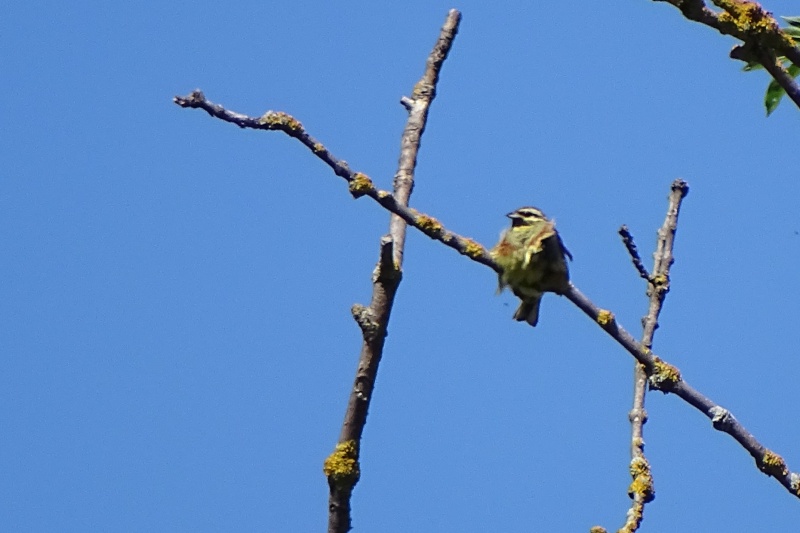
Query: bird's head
x=526 y=216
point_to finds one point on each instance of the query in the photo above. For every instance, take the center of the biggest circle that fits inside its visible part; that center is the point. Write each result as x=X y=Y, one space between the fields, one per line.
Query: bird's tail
x=528 y=311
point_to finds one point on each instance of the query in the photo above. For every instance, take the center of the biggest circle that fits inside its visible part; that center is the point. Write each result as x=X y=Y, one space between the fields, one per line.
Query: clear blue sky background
x=177 y=346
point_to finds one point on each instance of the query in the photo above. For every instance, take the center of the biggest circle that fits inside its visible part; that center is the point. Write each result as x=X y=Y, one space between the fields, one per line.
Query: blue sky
x=177 y=342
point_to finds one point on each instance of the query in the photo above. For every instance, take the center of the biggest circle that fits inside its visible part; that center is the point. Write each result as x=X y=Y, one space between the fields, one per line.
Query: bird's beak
x=512 y=215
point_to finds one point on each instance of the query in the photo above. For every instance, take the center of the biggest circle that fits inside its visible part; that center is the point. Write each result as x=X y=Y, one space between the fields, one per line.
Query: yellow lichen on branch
x=361 y=185
x=429 y=225
x=642 y=484
x=605 y=317
x=752 y=19
x=773 y=464
x=664 y=375
x=341 y=466
x=473 y=249
x=280 y=120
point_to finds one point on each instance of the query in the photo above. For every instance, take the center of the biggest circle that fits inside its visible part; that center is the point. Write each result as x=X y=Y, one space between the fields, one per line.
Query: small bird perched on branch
x=533 y=259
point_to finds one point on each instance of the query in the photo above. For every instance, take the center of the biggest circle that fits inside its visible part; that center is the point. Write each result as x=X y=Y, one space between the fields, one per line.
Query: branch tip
x=682 y=186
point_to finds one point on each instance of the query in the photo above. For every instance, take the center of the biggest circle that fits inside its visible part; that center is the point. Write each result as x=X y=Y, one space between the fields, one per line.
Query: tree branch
x=359 y=184
x=630 y=245
x=756 y=28
x=662 y=376
x=778 y=72
x=641 y=489
x=374 y=320
x=667 y=378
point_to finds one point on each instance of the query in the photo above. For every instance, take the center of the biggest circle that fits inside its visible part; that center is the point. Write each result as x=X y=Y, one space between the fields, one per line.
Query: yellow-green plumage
x=533 y=260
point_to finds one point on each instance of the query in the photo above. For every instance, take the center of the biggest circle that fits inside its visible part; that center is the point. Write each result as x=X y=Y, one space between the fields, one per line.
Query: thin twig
x=630 y=245
x=342 y=467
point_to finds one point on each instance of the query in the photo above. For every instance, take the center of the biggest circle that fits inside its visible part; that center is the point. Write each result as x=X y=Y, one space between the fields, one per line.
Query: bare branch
x=359 y=184
x=630 y=245
x=374 y=319
x=667 y=378
x=417 y=105
x=662 y=261
x=641 y=489
x=662 y=376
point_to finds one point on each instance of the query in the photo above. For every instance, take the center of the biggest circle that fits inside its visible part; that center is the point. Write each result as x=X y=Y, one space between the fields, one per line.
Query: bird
x=533 y=261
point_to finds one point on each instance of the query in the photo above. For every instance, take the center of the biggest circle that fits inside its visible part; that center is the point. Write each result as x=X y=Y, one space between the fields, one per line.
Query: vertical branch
x=342 y=466
x=641 y=489
x=423 y=94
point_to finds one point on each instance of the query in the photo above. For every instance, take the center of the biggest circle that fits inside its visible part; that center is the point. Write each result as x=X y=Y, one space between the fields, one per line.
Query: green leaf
x=775 y=92
x=794 y=21
x=773 y=97
x=794 y=32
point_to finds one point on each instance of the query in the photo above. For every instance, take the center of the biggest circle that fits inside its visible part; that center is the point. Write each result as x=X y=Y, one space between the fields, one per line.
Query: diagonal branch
x=667 y=378
x=342 y=466
x=662 y=376
x=359 y=184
